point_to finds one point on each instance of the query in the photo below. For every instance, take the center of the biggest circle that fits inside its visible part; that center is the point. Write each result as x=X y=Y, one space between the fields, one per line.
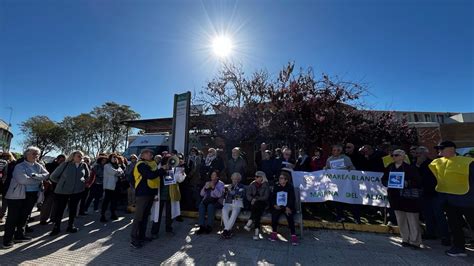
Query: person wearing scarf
x=211 y=162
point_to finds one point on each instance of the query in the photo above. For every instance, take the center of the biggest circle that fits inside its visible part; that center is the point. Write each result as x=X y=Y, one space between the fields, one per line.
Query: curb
x=367 y=228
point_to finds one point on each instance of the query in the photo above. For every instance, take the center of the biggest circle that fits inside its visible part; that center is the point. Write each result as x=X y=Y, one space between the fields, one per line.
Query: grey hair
x=238 y=175
x=30 y=149
x=422 y=149
x=399 y=151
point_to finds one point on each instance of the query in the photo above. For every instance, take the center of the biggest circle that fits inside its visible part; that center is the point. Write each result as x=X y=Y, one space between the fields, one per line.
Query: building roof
x=166 y=124
x=4 y=125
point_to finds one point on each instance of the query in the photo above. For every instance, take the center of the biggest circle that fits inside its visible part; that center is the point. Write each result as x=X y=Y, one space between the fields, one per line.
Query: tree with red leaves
x=297 y=109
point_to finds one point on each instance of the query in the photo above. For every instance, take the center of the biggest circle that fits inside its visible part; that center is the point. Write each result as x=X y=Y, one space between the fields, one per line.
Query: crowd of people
x=437 y=189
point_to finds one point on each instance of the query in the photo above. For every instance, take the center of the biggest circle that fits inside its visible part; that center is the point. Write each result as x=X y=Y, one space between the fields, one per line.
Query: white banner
x=353 y=187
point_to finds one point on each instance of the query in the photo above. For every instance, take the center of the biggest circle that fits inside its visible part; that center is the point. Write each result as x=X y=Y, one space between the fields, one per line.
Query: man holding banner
x=341 y=161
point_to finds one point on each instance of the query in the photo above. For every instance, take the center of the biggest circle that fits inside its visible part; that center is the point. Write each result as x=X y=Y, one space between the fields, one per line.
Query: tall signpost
x=182 y=104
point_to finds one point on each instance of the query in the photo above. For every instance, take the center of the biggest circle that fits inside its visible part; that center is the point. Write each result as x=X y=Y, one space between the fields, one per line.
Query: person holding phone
x=212 y=193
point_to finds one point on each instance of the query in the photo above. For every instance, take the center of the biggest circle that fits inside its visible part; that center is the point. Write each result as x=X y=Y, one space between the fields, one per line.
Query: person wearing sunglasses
x=404 y=201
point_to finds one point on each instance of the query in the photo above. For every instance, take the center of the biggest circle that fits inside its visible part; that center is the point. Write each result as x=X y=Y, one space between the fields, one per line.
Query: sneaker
x=256 y=236
x=54 y=232
x=43 y=222
x=102 y=219
x=72 y=229
x=7 y=245
x=28 y=229
x=406 y=244
x=208 y=229
x=113 y=217
x=179 y=219
x=456 y=252
x=273 y=237
x=202 y=230
x=136 y=244
x=247 y=227
x=82 y=213
x=340 y=220
x=225 y=233
x=294 y=240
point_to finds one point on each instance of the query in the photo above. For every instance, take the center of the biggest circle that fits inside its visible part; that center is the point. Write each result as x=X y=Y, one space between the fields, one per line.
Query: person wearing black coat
x=406 y=207
x=304 y=161
x=210 y=163
x=283 y=202
x=432 y=203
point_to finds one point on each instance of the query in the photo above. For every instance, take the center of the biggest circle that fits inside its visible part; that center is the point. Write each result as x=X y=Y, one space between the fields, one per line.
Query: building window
x=416 y=118
x=427 y=118
x=440 y=119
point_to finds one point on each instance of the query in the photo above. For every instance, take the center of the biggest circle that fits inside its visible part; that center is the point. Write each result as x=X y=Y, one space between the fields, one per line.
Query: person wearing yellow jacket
x=455 y=178
x=146 y=182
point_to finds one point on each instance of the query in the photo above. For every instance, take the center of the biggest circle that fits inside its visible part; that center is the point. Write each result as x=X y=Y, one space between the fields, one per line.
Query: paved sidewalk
x=101 y=244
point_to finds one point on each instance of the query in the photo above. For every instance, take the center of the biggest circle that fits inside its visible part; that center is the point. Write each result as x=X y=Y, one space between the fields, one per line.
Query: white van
x=156 y=142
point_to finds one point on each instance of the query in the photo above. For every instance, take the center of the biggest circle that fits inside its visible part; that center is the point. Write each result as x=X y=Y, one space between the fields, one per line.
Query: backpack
x=10 y=169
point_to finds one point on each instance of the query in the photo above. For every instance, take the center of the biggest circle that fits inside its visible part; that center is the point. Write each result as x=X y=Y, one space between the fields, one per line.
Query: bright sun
x=222 y=46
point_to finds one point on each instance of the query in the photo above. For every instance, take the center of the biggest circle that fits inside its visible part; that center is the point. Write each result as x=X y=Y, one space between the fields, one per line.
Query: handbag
x=411 y=193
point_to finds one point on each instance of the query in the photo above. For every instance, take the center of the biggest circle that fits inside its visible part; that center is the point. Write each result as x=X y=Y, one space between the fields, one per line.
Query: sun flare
x=222 y=46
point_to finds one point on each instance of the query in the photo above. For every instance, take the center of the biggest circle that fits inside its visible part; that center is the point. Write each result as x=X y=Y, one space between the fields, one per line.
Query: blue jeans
x=435 y=219
x=211 y=213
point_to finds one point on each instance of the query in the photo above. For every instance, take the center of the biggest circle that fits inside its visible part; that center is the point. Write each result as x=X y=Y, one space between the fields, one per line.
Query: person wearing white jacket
x=112 y=174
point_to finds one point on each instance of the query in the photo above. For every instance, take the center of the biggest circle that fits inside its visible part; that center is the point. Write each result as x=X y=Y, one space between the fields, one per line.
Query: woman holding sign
x=403 y=182
x=283 y=202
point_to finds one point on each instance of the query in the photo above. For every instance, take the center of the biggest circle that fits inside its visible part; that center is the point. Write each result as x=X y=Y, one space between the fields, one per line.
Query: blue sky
x=61 y=58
